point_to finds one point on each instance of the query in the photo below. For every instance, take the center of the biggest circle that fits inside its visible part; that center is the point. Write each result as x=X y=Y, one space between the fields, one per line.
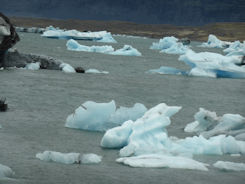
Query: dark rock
x=3 y=105
x=185 y=41
x=243 y=60
x=80 y=69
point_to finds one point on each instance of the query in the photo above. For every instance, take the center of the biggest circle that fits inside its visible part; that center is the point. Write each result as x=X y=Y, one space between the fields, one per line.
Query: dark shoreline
x=229 y=31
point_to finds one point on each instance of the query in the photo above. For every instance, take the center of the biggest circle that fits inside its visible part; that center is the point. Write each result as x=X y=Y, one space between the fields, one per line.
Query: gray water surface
x=40 y=101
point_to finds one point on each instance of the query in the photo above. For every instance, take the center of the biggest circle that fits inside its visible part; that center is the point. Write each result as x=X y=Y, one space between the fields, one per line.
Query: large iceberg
x=127 y=50
x=5 y=172
x=148 y=135
x=208 y=124
x=210 y=64
x=214 y=42
x=102 y=116
x=102 y=36
x=229 y=166
x=170 y=45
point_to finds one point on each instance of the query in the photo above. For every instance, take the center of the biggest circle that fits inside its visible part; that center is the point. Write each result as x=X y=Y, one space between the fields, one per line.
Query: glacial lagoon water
x=39 y=102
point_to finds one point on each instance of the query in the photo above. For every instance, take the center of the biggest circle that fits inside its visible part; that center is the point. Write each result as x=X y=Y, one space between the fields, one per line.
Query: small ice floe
x=92 y=70
x=214 y=42
x=33 y=66
x=75 y=46
x=102 y=116
x=148 y=135
x=170 y=45
x=102 y=36
x=64 y=158
x=168 y=70
x=91 y=158
x=208 y=124
x=5 y=172
x=67 y=68
x=162 y=161
x=229 y=166
x=127 y=50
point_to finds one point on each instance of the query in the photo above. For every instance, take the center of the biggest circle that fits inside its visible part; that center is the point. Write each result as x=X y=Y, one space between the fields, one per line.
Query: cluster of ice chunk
x=208 y=124
x=170 y=45
x=127 y=50
x=101 y=36
x=102 y=116
x=69 y=158
x=5 y=172
x=145 y=142
x=214 y=42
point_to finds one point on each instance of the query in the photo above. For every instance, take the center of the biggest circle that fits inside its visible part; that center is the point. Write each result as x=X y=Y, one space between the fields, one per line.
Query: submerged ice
x=5 y=172
x=102 y=116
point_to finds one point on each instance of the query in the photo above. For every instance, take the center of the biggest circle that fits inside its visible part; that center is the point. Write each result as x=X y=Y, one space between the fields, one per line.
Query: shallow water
x=40 y=101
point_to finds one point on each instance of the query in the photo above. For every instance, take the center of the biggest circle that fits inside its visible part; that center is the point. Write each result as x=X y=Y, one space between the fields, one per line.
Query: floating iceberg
x=5 y=172
x=102 y=116
x=209 y=64
x=160 y=161
x=214 y=42
x=96 y=71
x=102 y=36
x=91 y=158
x=64 y=158
x=67 y=68
x=127 y=50
x=33 y=66
x=208 y=124
x=170 y=45
x=75 y=46
x=148 y=140
x=229 y=166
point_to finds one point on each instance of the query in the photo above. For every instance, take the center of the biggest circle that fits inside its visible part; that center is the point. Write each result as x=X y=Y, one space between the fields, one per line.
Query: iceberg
x=208 y=124
x=91 y=158
x=75 y=46
x=67 y=68
x=214 y=42
x=102 y=116
x=96 y=71
x=127 y=50
x=102 y=36
x=170 y=45
x=210 y=64
x=161 y=161
x=64 y=158
x=229 y=166
x=5 y=172
x=33 y=66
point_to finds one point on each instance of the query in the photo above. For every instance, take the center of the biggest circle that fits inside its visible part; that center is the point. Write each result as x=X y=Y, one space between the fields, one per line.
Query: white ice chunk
x=229 y=166
x=170 y=45
x=5 y=171
x=127 y=50
x=214 y=42
x=160 y=161
x=33 y=66
x=91 y=158
x=92 y=70
x=64 y=158
x=102 y=116
x=67 y=68
x=75 y=46
x=205 y=120
x=168 y=70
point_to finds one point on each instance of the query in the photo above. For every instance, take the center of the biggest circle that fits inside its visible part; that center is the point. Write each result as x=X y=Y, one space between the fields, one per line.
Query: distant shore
x=229 y=31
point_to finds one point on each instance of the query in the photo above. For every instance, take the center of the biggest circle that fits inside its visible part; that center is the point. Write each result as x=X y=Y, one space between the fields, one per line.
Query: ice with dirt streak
x=102 y=116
